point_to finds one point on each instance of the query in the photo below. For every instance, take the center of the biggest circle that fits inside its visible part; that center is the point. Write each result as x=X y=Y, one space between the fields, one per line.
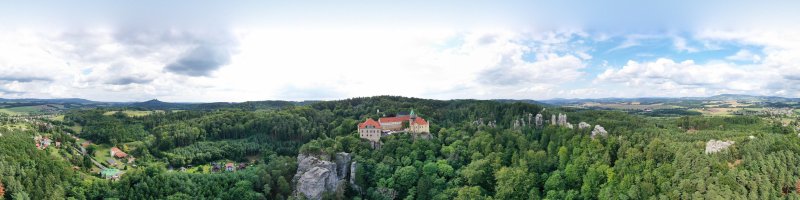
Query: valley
x=473 y=149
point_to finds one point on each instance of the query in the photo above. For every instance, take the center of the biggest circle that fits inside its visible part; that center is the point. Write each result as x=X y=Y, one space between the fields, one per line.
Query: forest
x=655 y=156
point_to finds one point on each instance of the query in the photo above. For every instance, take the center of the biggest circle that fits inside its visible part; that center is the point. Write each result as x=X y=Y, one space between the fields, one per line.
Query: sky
x=215 y=51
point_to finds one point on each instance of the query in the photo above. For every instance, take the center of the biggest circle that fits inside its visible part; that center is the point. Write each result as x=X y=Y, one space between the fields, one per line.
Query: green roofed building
x=110 y=173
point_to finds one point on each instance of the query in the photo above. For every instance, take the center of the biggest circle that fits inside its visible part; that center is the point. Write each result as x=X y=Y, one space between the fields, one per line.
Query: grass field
x=58 y=118
x=630 y=106
x=716 y=111
x=23 y=110
x=16 y=126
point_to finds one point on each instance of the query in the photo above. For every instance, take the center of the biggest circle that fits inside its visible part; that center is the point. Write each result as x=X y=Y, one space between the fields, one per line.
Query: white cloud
x=744 y=55
x=334 y=63
x=665 y=76
x=680 y=44
x=772 y=71
x=99 y=64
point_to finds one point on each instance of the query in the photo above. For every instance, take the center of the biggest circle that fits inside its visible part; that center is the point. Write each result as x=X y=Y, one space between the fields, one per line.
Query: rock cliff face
x=317 y=174
x=714 y=146
x=353 y=176
x=562 y=119
x=538 y=120
x=599 y=131
x=584 y=125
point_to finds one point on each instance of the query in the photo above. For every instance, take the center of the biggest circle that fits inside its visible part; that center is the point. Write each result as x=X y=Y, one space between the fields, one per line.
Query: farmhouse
x=115 y=152
x=42 y=142
x=373 y=130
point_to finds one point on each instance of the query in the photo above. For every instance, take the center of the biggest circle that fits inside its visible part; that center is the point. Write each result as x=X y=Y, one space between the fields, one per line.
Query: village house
x=373 y=130
x=215 y=167
x=116 y=152
x=42 y=142
x=229 y=167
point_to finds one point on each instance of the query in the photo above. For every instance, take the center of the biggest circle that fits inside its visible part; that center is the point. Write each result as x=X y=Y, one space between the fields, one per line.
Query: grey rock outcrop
x=353 y=176
x=492 y=124
x=599 y=131
x=343 y=164
x=317 y=174
x=584 y=125
x=530 y=117
x=478 y=122
x=553 y=120
x=569 y=126
x=562 y=119
x=714 y=146
x=538 y=120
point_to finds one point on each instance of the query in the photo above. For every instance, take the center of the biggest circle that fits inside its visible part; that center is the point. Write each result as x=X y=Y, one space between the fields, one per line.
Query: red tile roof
x=394 y=119
x=369 y=122
x=420 y=121
x=118 y=153
x=230 y=164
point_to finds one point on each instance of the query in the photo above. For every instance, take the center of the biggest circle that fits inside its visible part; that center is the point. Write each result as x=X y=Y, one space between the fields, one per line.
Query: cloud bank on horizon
x=257 y=50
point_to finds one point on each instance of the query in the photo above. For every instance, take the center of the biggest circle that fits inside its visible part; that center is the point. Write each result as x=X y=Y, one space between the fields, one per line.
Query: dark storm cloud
x=200 y=61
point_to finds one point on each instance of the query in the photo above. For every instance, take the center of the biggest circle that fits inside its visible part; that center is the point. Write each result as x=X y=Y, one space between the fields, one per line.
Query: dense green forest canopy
x=643 y=157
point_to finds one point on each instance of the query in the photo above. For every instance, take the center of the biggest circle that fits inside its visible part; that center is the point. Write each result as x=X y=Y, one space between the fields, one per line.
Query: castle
x=373 y=130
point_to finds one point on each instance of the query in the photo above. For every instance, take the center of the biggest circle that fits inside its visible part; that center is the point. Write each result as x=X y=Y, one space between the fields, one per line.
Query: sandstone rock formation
x=599 y=131
x=530 y=118
x=353 y=176
x=562 y=119
x=553 y=120
x=492 y=124
x=478 y=122
x=714 y=146
x=538 y=120
x=584 y=125
x=316 y=174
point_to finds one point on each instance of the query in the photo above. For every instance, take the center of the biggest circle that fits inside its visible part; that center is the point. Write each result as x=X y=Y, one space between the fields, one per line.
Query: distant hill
x=58 y=101
x=155 y=104
x=742 y=97
x=250 y=105
x=520 y=101
x=721 y=97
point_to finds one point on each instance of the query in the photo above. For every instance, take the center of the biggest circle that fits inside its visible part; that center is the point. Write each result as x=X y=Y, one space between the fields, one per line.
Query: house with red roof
x=370 y=130
x=116 y=152
x=373 y=130
x=229 y=167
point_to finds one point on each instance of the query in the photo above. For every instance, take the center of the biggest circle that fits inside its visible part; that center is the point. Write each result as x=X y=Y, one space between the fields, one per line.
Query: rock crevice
x=317 y=174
